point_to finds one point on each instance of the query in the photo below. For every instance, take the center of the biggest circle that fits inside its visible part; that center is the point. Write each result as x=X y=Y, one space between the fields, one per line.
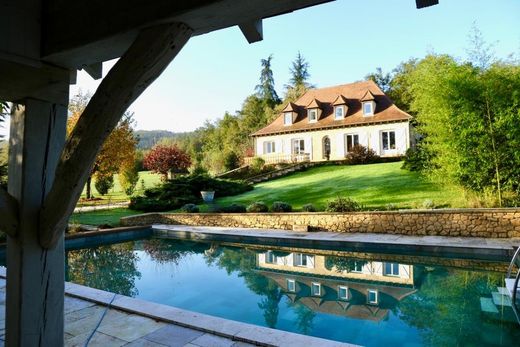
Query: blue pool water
x=367 y=299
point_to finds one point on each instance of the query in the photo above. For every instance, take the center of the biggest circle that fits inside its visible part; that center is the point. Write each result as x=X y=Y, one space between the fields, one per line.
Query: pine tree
x=298 y=83
x=265 y=90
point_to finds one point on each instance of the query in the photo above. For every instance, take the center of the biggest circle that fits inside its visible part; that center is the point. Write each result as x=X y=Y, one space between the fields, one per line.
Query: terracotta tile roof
x=385 y=111
x=314 y=104
x=291 y=107
x=340 y=100
x=368 y=96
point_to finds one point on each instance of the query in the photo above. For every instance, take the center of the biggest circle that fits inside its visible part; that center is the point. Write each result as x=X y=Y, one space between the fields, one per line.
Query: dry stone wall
x=496 y=223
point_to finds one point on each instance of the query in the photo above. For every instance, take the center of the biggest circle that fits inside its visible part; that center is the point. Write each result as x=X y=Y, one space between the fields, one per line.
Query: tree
x=470 y=118
x=129 y=176
x=265 y=90
x=167 y=160
x=298 y=83
x=381 y=79
x=118 y=150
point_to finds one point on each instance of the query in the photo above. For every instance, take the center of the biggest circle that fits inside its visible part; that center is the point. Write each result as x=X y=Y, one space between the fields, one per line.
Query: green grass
x=116 y=194
x=110 y=217
x=373 y=185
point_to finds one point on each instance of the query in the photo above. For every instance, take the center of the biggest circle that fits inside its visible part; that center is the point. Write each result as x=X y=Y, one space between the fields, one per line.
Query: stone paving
x=121 y=329
x=138 y=323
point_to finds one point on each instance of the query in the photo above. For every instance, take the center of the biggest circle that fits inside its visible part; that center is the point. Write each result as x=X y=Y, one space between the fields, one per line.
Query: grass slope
x=116 y=194
x=373 y=185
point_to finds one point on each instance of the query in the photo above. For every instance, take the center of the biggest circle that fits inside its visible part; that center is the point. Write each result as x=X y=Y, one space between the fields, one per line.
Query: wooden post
x=35 y=275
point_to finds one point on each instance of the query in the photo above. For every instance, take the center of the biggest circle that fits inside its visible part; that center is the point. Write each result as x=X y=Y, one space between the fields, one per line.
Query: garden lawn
x=110 y=217
x=374 y=185
x=116 y=194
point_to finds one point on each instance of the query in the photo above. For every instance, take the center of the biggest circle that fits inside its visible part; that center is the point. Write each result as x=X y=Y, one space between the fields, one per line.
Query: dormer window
x=313 y=115
x=368 y=103
x=368 y=108
x=339 y=112
x=287 y=118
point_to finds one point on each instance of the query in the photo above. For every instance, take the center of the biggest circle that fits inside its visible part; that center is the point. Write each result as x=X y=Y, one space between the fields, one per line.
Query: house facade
x=326 y=123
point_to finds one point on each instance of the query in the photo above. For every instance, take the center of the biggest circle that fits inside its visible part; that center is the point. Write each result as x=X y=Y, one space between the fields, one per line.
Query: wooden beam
x=104 y=29
x=426 y=3
x=252 y=31
x=94 y=70
x=144 y=61
x=8 y=213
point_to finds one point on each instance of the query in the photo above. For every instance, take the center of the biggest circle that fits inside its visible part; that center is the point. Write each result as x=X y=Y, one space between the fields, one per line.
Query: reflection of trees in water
x=243 y=261
x=304 y=317
x=447 y=310
x=171 y=251
x=111 y=268
x=343 y=263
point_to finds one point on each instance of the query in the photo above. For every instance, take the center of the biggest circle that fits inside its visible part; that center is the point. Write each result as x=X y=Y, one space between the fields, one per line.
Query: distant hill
x=149 y=138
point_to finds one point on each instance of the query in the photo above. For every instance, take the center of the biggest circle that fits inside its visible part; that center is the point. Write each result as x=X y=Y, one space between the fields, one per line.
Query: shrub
x=280 y=206
x=231 y=161
x=104 y=183
x=257 y=207
x=391 y=207
x=341 y=204
x=308 y=208
x=190 y=208
x=234 y=208
x=416 y=159
x=166 y=160
x=183 y=190
x=428 y=204
x=361 y=155
x=257 y=164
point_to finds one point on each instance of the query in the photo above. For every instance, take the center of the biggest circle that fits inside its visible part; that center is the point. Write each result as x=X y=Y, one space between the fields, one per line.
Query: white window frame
x=300 y=260
x=291 y=285
x=269 y=147
x=269 y=260
x=301 y=142
x=394 y=269
x=316 y=285
x=340 y=297
x=353 y=136
x=287 y=116
x=389 y=137
x=368 y=103
x=355 y=270
x=312 y=111
x=336 y=108
x=373 y=291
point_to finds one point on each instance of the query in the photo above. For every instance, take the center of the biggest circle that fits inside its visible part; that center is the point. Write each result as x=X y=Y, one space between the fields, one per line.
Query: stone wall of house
x=496 y=223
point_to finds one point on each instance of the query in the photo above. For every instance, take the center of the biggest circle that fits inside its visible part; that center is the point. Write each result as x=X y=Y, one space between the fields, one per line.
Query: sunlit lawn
x=375 y=186
x=116 y=194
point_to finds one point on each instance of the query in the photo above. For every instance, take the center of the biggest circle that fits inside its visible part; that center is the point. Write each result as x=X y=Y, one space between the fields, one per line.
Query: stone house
x=326 y=123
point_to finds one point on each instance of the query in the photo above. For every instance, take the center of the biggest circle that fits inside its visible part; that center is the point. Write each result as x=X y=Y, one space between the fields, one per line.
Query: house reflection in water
x=338 y=285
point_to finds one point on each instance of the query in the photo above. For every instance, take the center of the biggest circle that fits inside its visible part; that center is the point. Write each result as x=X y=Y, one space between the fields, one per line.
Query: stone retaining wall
x=496 y=223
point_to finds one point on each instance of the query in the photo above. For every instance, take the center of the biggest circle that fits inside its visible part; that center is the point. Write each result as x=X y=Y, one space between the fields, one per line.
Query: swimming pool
x=362 y=298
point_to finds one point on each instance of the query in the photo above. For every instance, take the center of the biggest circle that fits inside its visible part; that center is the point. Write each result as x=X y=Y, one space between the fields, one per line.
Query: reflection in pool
x=367 y=299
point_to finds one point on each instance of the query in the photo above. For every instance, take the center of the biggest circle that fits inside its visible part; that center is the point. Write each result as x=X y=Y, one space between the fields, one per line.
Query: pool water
x=366 y=299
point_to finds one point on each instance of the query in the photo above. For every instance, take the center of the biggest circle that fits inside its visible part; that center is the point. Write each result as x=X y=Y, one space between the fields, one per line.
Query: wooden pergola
x=43 y=44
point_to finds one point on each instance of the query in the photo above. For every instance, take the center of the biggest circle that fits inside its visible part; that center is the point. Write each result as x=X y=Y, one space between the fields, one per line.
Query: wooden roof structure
x=44 y=43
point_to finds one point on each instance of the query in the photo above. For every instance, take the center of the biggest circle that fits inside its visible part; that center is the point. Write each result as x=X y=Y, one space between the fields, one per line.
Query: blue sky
x=342 y=40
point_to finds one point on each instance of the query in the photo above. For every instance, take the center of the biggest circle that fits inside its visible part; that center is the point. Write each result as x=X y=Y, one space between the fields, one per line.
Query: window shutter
x=404 y=269
x=287 y=146
x=363 y=138
x=340 y=146
x=400 y=140
x=259 y=147
x=278 y=146
x=308 y=146
x=310 y=261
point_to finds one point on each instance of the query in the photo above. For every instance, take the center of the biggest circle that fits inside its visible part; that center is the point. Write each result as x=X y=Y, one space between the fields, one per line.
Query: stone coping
x=234 y=330
x=401 y=211
x=463 y=247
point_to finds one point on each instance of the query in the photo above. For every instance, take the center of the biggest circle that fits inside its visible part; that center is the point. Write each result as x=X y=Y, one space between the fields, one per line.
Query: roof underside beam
x=104 y=29
x=252 y=31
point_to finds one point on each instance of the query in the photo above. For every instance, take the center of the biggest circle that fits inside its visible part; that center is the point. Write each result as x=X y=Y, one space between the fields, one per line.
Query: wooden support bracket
x=8 y=213
x=142 y=63
x=253 y=31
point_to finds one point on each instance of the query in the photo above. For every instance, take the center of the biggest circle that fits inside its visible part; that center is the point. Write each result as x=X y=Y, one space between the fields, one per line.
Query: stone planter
x=207 y=195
